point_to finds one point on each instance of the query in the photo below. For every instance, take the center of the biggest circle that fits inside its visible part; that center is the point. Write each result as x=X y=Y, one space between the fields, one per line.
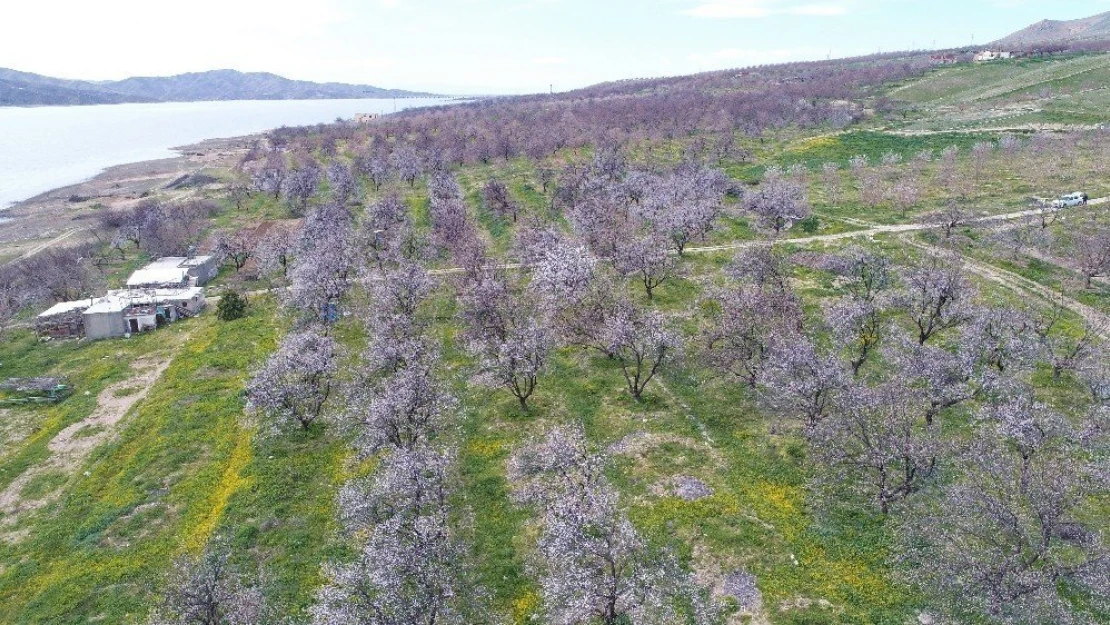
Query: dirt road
x=52 y=242
x=1024 y=286
x=871 y=230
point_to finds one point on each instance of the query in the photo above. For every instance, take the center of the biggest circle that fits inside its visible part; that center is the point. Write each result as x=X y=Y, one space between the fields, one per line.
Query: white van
x=1069 y=200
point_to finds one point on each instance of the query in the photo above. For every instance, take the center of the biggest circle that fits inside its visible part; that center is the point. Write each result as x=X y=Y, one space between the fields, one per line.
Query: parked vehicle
x=1072 y=199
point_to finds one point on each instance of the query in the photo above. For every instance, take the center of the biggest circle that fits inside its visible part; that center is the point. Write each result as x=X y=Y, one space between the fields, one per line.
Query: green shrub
x=810 y=225
x=233 y=305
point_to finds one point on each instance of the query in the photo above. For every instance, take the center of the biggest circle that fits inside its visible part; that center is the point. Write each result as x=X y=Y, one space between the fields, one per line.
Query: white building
x=120 y=313
x=175 y=272
x=993 y=55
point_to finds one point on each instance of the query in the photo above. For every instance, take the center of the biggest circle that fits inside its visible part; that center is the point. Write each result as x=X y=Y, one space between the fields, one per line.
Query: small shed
x=63 y=320
x=104 y=319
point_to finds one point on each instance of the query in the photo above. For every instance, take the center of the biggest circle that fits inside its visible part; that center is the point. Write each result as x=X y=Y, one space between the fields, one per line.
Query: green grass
x=160 y=487
x=975 y=81
x=1061 y=89
x=1048 y=274
x=186 y=466
x=840 y=148
x=42 y=485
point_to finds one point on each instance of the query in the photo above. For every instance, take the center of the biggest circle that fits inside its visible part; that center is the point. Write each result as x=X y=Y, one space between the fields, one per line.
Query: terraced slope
x=1014 y=94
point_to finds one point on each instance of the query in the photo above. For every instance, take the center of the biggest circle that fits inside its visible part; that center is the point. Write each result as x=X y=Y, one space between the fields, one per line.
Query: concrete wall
x=104 y=325
x=203 y=273
x=146 y=322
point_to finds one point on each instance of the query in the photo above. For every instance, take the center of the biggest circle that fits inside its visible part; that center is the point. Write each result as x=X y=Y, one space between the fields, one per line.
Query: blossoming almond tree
x=593 y=565
x=296 y=382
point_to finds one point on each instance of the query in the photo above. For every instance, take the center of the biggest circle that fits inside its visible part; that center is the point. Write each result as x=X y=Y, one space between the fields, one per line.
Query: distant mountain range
x=1094 y=28
x=26 y=89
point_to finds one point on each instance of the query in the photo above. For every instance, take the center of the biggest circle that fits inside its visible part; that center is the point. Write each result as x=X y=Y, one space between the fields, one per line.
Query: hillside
x=1053 y=92
x=723 y=349
x=26 y=89
x=19 y=93
x=1094 y=28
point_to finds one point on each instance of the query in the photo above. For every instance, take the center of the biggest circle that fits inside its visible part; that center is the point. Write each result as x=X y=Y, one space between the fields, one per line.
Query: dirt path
x=870 y=231
x=1025 y=286
x=52 y=242
x=72 y=446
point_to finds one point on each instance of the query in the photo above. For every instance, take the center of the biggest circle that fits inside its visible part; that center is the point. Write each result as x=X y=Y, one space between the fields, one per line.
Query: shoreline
x=183 y=152
x=26 y=224
x=65 y=213
x=80 y=105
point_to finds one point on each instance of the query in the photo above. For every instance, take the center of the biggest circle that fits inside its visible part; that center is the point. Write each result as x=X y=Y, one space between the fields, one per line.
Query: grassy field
x=160 y=486
x=186 y=464
x=1009 y=93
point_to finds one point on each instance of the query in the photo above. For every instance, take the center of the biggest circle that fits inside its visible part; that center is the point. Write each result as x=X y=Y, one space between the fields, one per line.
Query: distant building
x=944 y=59
x=365 y=118
x=119 y=313
x=174 y=272
x=995 y=55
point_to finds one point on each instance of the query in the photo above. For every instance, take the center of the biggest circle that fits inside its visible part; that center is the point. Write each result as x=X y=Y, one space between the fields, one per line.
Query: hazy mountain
x=1096 y=27
x=26 y=89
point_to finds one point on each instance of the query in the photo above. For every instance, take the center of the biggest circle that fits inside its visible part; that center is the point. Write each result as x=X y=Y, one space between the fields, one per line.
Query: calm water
x=49 y=147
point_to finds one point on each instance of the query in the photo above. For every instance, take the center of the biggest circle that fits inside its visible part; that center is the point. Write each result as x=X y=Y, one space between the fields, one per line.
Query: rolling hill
x=27 y=89
x=1094 y=28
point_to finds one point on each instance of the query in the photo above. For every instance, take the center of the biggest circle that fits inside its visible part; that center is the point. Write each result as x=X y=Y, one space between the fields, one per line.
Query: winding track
x=1024 y=286
x=48 y=244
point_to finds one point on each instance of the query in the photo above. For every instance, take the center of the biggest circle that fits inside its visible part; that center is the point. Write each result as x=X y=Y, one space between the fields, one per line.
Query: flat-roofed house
x=129 y=312
x=120 y=313
x=175 y=272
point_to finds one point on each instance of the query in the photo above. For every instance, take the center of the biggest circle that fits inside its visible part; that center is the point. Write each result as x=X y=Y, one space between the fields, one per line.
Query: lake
x=43 y=148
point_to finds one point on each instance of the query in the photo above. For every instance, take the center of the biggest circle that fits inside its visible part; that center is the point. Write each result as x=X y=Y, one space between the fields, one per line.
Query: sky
x=486 y=46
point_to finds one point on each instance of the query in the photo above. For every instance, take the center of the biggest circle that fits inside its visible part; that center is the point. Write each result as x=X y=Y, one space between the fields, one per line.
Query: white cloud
x=749 y=9
x=819 y=9
x=136 y=37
